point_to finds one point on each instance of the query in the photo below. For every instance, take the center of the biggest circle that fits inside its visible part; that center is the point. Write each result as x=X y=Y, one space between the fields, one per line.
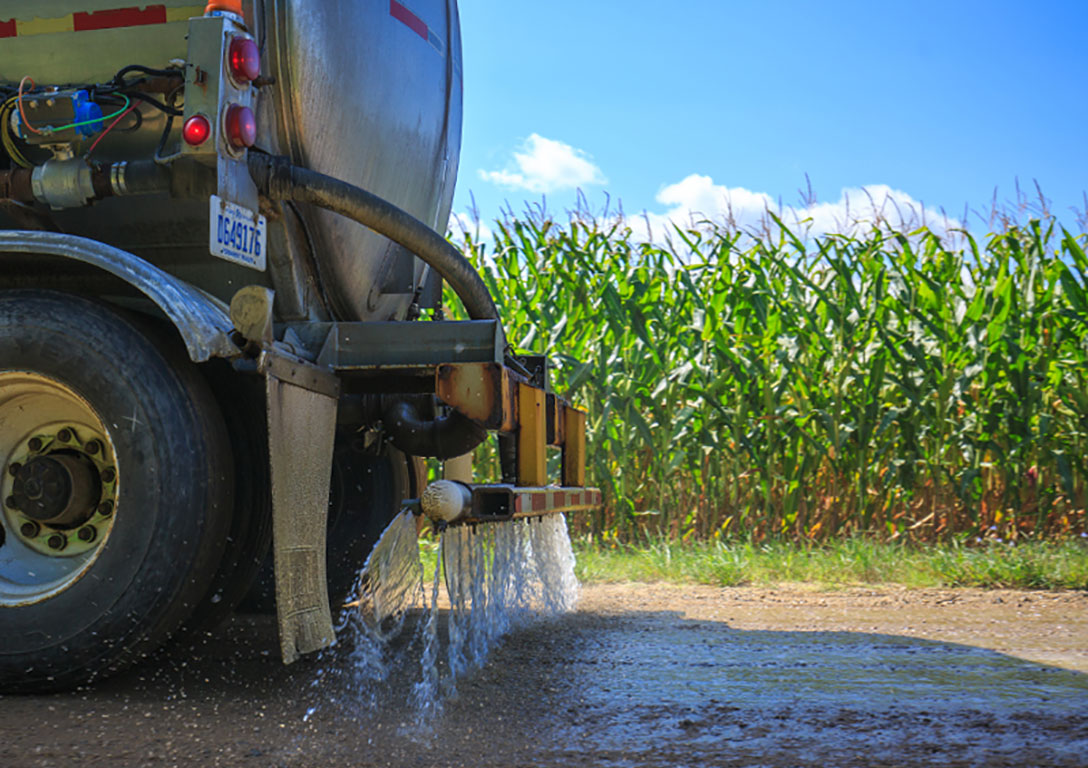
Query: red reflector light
x=196 y=130
x=244 y=59
x=241 y=126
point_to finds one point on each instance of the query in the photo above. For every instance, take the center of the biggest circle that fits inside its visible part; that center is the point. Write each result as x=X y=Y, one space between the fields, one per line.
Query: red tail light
x=244 y=60
x=241 y=126
x=196 y=130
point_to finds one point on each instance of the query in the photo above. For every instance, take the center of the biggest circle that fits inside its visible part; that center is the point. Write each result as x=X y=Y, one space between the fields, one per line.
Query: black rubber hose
x=444 y=437
x=280 y=179
x=142 y=177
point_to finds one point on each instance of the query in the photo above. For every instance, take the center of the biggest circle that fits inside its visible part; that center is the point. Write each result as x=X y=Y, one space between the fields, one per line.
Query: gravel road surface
x=639 y=675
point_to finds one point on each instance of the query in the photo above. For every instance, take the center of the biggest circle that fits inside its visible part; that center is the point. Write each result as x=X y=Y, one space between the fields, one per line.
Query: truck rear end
x=221 y=331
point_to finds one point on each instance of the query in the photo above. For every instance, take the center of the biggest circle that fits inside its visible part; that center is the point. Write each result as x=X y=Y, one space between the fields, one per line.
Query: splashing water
x=388 y=585
x=501 y=578
x=425 y=696
x=498 y=577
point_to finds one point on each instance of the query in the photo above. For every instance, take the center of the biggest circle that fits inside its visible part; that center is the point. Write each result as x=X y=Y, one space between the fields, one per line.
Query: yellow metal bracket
x=500 y=399
x=532 y=436
x=574 y=447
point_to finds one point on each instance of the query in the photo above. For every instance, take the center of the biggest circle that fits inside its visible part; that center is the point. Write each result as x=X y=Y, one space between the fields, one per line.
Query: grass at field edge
x=851 y=562
x=846 y=563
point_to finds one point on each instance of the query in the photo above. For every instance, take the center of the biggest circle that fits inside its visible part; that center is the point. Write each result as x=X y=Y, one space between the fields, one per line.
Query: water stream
x=494 y=578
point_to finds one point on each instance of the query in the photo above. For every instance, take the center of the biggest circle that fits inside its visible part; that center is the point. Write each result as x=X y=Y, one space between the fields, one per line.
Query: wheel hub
x=60 y=490
x=42 y=489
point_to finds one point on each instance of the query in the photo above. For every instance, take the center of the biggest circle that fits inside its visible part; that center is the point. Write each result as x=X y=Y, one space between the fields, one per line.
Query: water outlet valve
x=444 y=501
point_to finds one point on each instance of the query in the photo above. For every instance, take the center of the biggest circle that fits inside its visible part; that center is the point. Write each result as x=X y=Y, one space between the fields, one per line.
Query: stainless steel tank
x=368 y=91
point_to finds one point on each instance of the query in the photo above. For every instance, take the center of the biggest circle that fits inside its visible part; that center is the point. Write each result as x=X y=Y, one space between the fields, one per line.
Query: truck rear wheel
x=242 y=402
x=116 y=490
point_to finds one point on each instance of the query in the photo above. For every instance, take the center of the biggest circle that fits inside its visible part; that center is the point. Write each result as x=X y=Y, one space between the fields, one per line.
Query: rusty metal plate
x=556 y=419
x=574 y=447
x=484 y=392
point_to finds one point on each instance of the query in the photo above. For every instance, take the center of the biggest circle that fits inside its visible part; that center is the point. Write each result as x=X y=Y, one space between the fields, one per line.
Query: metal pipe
x=74 y=183
x=443 y=437
x=139 y=177
x=15 y=185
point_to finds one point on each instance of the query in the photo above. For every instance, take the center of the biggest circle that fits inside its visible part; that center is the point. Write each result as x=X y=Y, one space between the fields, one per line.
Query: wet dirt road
x=639 y=675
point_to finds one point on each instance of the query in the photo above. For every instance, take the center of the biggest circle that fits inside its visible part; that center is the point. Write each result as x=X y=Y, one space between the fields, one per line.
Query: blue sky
x=721 y=107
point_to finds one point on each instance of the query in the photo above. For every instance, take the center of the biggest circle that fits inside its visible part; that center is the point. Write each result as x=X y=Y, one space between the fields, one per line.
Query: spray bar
x=453 y=503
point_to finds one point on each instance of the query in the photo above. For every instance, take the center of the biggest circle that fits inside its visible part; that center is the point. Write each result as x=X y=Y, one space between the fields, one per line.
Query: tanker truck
x=222 y=339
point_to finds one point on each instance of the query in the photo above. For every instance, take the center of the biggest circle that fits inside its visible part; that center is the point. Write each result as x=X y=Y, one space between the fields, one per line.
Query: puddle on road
x=748 y=667
x=654 y=679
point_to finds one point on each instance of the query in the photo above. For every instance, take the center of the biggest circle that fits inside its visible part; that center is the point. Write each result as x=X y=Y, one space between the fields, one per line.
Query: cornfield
x=769 y=387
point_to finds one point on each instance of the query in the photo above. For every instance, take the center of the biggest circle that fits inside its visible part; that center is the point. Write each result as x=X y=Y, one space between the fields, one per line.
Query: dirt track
x=639 y=675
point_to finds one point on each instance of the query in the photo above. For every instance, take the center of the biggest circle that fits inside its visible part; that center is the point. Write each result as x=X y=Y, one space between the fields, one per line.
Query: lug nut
x=93 y=447
x=105 y=508
x=87 y=533
x=13 y=468
x=35 y=443
x=109 y=474
x=30 y=529
x=9 y=502
x=58 y=541
x=65 y=435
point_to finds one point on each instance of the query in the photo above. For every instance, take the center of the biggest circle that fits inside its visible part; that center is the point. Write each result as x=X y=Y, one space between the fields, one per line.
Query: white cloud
x=546 y=165
x=697 y=200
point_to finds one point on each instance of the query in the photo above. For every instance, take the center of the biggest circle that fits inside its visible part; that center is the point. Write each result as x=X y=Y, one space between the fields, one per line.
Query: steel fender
x=202 y=320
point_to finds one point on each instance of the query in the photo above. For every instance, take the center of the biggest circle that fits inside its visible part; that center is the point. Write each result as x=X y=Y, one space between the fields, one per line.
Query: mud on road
x=648 y=675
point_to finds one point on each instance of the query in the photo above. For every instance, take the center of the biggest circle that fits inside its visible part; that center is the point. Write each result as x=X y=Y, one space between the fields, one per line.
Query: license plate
x=237 y=234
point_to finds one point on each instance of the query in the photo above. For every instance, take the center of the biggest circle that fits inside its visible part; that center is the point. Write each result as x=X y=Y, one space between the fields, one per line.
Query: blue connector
x=86 y=110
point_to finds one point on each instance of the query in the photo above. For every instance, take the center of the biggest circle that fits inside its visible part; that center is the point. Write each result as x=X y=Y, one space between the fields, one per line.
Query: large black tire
x=173 y=495
x=242 y=401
